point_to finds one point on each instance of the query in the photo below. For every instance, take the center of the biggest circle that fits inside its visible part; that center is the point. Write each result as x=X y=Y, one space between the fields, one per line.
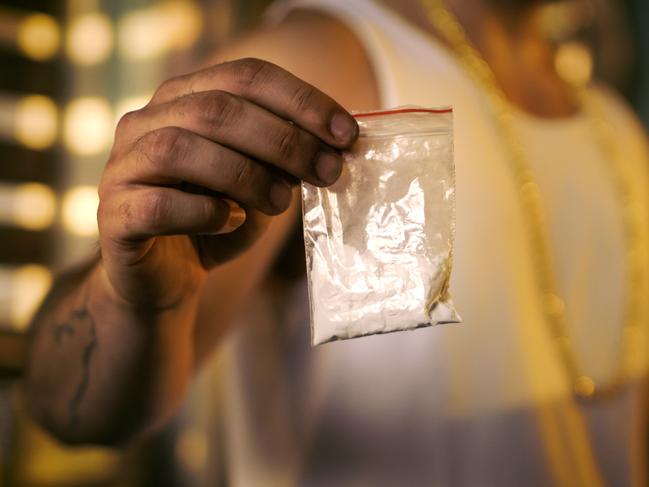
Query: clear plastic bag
x=379 y=242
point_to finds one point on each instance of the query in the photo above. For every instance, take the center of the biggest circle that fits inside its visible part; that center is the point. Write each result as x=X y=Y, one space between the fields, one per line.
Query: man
x=196 y=204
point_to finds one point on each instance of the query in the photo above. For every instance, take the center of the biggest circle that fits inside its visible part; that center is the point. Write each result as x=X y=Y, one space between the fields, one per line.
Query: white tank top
x=486 y=402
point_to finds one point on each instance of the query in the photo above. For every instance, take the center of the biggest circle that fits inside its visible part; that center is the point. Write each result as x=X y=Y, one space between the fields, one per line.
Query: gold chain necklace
x=448 y=26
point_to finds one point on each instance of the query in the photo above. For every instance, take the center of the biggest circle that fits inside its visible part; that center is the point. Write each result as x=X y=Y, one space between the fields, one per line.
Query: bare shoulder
x=317 y=48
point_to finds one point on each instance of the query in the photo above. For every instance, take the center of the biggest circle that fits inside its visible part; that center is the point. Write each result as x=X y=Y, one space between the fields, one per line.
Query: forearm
x=100 y=371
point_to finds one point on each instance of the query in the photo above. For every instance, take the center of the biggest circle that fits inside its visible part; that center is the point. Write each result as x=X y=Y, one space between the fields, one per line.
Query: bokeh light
x=574 y=63
x=29 y=285
x=89 y=39
x=87 y=125
x=184 y=21
x=79 y=210
x=36 y=122
x=39 y=36
x=139 y=31
x=28 y=205
x=192 y=449
x=34 y=206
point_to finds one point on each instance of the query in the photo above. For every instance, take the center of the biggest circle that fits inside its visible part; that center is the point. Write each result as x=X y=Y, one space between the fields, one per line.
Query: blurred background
x=68 y=70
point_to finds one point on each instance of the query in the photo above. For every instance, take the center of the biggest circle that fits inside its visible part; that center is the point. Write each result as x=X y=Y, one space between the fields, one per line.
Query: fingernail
x=343 y=127
x=236 y=218
x=280 y=195
x=328 y=167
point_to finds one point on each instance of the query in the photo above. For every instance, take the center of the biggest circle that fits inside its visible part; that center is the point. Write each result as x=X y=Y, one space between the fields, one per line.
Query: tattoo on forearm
x=79 y=317
x=61 y=330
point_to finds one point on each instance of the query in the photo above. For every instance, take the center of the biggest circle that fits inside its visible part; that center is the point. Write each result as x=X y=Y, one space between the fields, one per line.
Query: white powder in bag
x=379 y=241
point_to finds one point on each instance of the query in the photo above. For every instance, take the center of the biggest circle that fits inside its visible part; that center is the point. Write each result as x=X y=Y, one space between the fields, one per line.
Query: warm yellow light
x=38 y=36
x=192 y=449
x=87 y=125
x=89 y=39
x=29 y=205
x=29 y=284
x=34 y=206
x=574 y=63
x=185 y=22
x=36 y=121
x=151 y=32
x=46 y=462
x=139 y=35
x=79 y=210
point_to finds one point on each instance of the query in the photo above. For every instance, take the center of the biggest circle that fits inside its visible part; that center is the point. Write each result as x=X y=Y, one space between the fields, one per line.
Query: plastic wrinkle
x=379 y=242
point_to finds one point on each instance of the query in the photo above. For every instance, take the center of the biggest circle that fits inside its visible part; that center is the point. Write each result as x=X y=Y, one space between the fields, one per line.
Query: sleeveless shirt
x=482 y=403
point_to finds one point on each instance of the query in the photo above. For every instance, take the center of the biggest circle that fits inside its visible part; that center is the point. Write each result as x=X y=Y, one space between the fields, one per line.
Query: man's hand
x=194 y=176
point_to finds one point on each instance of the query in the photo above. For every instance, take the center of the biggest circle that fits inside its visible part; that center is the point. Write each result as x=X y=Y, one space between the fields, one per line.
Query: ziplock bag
x=379 y=241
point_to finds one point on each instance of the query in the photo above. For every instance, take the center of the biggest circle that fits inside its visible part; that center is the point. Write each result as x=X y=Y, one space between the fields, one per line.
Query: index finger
x=275 y=89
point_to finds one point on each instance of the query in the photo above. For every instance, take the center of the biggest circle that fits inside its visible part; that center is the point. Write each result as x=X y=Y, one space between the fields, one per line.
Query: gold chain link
x=448 y=26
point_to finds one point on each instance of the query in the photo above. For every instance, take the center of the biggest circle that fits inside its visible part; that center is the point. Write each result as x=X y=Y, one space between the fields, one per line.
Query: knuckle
x=163 y=144
x=103 y=219
x=155 y=211
x=126 y=122
x=113 y=159
x=102 y=191
x=287 y=143
x=250 y=71
x=112 y=181
x=169 y=87
x=221 y=109
x=125 y=215
x=303 y=98
x=101 y=213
